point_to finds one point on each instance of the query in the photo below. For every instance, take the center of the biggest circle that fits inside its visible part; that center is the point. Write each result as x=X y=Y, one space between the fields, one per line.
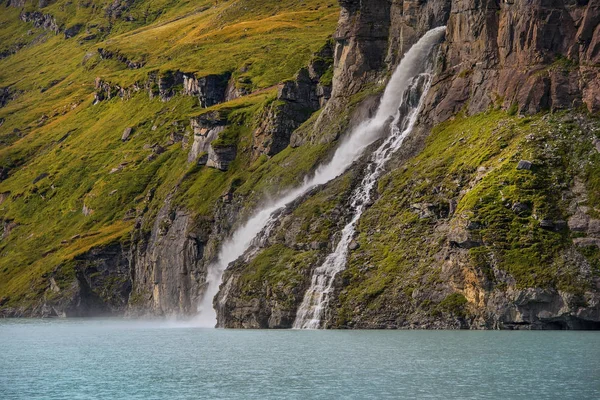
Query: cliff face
x=101 y=287
x=539 y=55
x=425 y=255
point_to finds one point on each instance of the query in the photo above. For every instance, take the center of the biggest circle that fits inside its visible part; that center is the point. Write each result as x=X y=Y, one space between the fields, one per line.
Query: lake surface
x=114 y=359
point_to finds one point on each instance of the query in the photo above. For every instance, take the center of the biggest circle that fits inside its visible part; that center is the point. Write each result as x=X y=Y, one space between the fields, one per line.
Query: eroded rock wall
x=530 y=55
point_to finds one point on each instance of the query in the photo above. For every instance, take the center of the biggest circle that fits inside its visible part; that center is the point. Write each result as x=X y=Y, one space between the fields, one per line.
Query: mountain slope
x=132 y=149
x=70 y=183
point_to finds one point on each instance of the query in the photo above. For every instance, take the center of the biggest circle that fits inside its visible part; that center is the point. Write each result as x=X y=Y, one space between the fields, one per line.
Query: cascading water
x=316 y=298
x=412 y=65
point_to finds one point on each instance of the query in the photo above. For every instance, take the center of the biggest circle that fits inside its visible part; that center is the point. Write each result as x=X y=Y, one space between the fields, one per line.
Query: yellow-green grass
x=53 y=128
x=473 y=161
x=269 y=44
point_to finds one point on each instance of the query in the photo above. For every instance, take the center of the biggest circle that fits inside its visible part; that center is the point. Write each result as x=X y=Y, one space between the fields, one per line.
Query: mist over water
x=413 y=64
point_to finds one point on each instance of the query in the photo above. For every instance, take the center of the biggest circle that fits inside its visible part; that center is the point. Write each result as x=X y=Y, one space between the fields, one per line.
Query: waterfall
x=412 y=65
x=316 y=298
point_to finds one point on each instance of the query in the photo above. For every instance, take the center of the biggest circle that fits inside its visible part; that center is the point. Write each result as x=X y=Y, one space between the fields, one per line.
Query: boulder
x=547 y=224
x=579 y=222
x=126 y=133
x=524 y=165
x=521 y=209
x=72 y=31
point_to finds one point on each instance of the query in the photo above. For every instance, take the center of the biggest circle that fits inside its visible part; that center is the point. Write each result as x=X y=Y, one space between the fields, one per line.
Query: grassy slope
x=57 y=131
x=400 y=252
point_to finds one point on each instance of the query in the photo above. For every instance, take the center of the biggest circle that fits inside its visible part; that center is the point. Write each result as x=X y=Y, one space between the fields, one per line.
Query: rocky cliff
x=474 y=269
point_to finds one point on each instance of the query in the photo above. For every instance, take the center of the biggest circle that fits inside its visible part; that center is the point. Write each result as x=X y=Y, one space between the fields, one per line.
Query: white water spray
x=350 y=150
x=316 y=299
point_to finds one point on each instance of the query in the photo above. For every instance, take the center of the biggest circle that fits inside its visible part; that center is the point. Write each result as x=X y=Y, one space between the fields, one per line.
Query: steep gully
x=397 y=114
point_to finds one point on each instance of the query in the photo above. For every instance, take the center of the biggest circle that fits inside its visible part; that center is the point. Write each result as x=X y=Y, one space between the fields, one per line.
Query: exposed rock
x=167 y=263
x=73 y=31
x=4 y=173
x=594 y=227
x=164 y=85
x=100 y=286
x=232 y=90
x=7 y=227
x=106 y=54
x=4 y=196
x=524 y=164
x=371 y=38
x=587 y=241
x=39 y=20
x=86 y=211
x=547 y=224
x=464 y=239
x=220 y=157
x=206 y=128
x=117 y=8
x=210 y=89
x=537 y=308
x=296 y=100
x=50 y=84
x=106 y=90
x=40 y=177
x=7 y=94
x=126 y=133
x=506 y=53
x=579 y=222
x=118 y=167
x=424 y=210
x=13 y=49
x=521 y=209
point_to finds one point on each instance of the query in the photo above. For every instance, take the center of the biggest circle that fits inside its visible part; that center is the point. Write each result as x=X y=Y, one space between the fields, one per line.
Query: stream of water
x=388 y=116
x=316 y=298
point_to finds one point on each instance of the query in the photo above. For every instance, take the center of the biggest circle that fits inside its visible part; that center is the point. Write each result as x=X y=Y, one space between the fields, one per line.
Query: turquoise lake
x=120 y=359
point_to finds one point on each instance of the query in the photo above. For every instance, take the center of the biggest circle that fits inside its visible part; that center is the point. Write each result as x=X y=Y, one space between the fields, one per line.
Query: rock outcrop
x=96 y=283
x=106 y=54
x=7 y=94
x=106 y=90
x=206 y=129
x=370 y=40
x=209 y=90
x=296 y=101
x=220 y=156
x=530 y=55
x=167 y=264
x=73 y=30
x=41 y=20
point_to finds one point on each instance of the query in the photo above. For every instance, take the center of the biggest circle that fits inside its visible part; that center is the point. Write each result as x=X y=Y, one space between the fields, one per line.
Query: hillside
x=137 y=137
x=63 y=154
